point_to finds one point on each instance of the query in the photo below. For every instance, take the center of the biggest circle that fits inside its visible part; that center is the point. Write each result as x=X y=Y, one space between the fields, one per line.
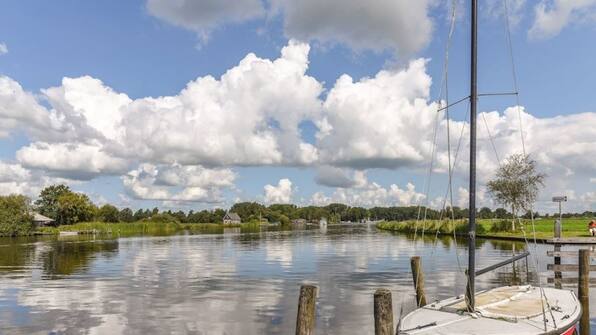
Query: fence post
x=305 y=321
x=383 y=312
x=418 y=277
x=583 y=292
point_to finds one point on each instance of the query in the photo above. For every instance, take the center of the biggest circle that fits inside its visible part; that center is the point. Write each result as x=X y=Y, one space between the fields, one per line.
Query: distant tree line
x=66 y=207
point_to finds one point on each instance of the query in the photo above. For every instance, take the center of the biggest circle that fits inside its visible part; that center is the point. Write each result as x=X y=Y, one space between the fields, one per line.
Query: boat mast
x=470 y=301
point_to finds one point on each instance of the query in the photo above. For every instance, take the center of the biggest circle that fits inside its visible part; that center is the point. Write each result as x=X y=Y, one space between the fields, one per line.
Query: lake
x=235 y=282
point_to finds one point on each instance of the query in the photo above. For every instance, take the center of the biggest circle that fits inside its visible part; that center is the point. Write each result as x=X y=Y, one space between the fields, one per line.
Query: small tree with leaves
x=516 y=184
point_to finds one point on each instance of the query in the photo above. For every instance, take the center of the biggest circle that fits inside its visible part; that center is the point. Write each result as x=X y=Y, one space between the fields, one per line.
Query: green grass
x=137 y=228
x=146 y=228
x=574 y=227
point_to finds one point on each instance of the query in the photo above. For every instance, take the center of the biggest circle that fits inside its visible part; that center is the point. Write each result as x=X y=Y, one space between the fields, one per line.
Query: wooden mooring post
x=583 y=290
x=305 y=321
x=383 y=312
x=418 y=277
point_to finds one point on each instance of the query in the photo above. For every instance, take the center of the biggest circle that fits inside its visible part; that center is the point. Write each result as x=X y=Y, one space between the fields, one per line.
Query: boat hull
x=505 y=310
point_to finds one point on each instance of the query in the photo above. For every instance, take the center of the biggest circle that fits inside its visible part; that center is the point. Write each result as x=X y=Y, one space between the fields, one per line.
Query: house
x=40 y=220
x=299 y=222
x=231 y=218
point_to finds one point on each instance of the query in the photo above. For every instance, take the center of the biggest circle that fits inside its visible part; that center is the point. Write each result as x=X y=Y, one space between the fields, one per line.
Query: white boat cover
x=504 y=310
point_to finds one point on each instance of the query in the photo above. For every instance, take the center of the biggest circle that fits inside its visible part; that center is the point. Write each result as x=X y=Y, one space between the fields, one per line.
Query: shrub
x=501 y=226
x=161 y=218
x=15 y=215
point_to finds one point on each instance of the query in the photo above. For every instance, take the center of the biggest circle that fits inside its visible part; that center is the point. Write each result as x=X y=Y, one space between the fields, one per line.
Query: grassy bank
x=574 y=227
x=141 y=228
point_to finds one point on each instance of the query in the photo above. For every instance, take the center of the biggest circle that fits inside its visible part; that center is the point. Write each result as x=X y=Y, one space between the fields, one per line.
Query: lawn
x=573 y=227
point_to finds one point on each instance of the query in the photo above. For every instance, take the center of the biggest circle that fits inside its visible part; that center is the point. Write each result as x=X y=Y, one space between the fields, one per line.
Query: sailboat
x=503 y=310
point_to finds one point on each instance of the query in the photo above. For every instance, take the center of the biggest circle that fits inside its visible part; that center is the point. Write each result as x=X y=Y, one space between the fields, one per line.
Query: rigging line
x=521 y=132
x=430 y=170
x=453 y=104
x=443 y=81
x=535 y=259
x=427 y=180
x=490 y=137
x=445 y=84
x=514 y=74
x=449 y=192
x=497 y=94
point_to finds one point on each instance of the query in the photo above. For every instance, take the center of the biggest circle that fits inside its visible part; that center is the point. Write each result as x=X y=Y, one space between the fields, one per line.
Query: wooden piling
x=305 y=321
x=583 y=292
x=418 y=277
x=383 y=312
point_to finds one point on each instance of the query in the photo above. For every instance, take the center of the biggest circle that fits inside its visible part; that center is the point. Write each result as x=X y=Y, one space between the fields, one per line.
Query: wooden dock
x=572 y=240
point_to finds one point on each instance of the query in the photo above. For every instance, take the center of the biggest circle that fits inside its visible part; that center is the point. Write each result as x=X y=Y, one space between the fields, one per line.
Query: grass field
x=574 y=227
x=141 y=228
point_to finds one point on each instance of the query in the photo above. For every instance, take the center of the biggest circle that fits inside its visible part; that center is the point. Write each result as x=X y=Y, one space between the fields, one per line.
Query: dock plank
x=569 y=253
x=566 y=267
x=568 y=281
x=572 y=240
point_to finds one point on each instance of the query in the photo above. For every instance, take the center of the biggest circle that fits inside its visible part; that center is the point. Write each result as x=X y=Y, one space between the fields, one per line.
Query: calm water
x=229 y=283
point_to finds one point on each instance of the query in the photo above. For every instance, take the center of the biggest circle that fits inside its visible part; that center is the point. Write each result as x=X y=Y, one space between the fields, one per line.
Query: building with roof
x=41 y=220
x=231 y=218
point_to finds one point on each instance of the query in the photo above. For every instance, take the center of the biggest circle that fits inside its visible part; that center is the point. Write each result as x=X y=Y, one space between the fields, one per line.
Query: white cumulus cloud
x=203 y=16
x=370 y=194
x=72 y=160
x=16 y=179
x=3 y=49
x=177 y=183
x=280 y=193
x=249 y=116
x=402 y=25
x=340 y=177
x=383 y=121
x=552 y=16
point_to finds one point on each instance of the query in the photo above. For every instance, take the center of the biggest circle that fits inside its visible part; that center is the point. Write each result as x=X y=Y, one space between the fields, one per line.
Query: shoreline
x=543 y=229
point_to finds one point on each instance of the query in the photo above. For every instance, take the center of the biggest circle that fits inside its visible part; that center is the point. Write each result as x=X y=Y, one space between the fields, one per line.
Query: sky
x=200 y=104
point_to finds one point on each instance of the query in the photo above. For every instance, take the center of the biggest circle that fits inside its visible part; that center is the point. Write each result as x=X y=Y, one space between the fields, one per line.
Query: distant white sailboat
x=323 y=222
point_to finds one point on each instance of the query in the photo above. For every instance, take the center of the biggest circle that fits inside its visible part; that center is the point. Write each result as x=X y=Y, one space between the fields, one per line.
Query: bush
x=15 y=215
x=161 y=218
x=501 y=226
x=73 y=208
x=108 y=213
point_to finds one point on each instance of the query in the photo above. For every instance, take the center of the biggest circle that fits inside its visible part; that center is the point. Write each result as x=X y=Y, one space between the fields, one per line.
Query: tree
x=485 y=213
x=140 y=215
x=15 y=215
x=249 y=210
x=73 y=208
x=126 y=215
x=501 y=213
x=47 y=204
x=108 y=213
x=516 y=184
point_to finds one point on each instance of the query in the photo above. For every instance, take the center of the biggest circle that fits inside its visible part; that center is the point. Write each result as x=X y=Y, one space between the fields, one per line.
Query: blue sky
x=152 y=49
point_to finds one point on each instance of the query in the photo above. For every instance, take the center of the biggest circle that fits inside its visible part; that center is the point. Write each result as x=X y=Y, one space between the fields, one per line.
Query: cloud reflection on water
x=224 y=284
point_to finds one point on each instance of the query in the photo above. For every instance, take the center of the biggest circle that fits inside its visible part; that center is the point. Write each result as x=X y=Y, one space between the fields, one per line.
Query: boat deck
x=504 y=310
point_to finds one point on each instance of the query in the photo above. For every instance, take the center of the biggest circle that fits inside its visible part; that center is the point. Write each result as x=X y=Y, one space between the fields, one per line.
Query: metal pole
x=470 y=301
